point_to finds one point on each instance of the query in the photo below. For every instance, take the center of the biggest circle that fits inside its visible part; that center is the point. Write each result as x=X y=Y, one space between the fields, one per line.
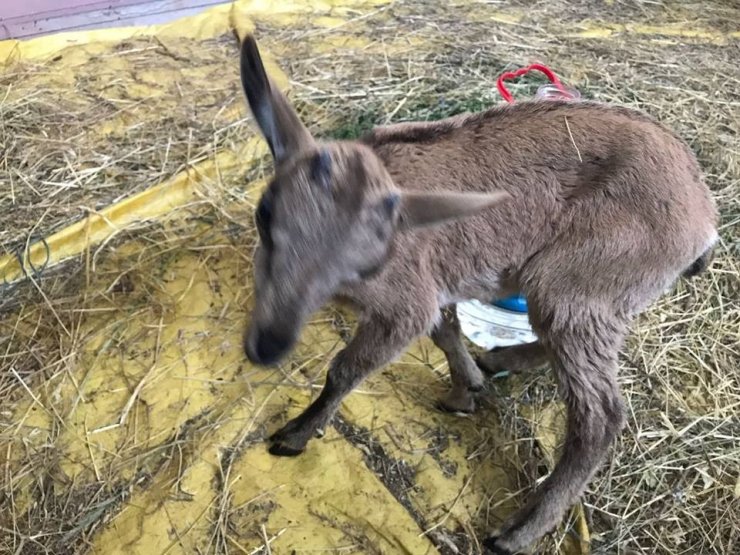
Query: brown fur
x=590 y=210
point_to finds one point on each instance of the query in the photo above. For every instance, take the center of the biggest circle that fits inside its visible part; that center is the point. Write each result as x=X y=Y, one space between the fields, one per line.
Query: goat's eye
x=321 y=169
x=262 y=218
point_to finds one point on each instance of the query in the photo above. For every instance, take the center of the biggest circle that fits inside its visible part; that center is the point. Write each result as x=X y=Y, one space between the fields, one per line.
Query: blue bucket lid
x=515 y=303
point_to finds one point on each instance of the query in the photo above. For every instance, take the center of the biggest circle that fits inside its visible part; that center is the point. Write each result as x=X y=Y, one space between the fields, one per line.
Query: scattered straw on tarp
x=130 y=421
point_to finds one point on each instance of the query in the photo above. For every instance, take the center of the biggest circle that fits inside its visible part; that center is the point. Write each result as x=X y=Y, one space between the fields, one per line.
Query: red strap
x=519 y=72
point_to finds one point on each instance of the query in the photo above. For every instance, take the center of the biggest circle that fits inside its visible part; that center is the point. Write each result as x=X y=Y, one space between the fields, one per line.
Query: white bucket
x=489 y=326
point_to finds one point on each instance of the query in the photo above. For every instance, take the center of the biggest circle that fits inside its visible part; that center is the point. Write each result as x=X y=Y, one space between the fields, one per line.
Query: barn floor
x=130 y=421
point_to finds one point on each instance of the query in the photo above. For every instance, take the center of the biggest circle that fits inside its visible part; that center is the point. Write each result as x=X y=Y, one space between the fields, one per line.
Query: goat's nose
x=269 y=347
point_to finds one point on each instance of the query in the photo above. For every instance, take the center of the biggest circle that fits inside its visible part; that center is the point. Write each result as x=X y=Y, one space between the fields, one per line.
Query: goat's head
x=327 y=218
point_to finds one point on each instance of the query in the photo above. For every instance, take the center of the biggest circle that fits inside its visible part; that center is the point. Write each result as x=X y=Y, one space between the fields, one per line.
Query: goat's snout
x=266 y=347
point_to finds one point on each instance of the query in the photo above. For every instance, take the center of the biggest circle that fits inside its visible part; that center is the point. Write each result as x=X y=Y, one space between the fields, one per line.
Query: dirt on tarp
x=130 y=421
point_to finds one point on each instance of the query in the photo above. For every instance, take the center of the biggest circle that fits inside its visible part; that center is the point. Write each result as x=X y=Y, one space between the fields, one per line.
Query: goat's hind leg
x=584 y=357
x=514 y=359
x=466 y=377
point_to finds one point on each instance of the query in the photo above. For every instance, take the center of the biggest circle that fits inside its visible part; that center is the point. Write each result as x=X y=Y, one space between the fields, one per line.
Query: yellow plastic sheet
x=153 y=404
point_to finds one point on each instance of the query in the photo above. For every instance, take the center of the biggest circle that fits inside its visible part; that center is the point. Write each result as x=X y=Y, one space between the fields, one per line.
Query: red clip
x=519 y=72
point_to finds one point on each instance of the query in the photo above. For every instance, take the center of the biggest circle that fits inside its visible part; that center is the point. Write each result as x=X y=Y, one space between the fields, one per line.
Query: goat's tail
x=700 y=264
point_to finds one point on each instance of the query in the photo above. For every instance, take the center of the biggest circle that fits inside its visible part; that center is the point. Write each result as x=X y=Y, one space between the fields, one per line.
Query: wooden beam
x=39 y=17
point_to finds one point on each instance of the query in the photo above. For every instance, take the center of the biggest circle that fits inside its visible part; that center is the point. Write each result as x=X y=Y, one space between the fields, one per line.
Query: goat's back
x=597 y=189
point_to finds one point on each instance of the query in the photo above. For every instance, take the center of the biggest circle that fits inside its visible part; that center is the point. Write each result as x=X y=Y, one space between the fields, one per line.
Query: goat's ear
x=277 y=120
x=422 y=209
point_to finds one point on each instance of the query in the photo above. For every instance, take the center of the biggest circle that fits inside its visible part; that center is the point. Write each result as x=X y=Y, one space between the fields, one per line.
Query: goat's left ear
x=279 y=123
x=423 y=209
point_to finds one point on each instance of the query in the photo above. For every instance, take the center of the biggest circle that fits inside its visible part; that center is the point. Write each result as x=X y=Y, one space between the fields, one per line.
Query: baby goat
x=590 y=210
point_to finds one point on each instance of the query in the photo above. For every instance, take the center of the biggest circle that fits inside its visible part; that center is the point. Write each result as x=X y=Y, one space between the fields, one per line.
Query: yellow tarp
x=154 y=405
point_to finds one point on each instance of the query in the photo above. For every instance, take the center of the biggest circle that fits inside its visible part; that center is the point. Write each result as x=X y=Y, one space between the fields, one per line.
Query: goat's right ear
x=277 y=120
x=423 y=209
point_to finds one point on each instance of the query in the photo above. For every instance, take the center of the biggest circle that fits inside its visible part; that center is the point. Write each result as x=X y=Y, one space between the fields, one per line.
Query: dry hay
x=673 y=482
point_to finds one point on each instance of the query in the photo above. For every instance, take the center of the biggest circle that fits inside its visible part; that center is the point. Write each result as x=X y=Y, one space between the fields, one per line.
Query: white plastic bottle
x=499 y=324
x=551 y=92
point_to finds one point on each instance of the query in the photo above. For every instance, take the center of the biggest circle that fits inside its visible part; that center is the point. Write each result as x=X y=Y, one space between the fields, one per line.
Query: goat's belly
x=484 y=288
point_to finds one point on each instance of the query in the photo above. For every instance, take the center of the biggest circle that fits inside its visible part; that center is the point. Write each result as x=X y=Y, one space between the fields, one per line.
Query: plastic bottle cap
x=515 y=303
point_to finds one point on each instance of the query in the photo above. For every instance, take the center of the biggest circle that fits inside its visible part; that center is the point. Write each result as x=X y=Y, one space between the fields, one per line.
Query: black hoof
x=277 y=436
x=498 y=371
x=491 y=547
x=280 y=450
x=283 y=432
x=482 y=367
x=450 y=410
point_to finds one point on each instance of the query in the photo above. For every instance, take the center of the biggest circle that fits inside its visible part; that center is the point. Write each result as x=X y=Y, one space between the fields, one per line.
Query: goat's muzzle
x=267 y=346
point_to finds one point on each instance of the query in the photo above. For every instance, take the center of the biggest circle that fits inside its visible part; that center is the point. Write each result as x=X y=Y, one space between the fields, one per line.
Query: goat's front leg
x=466 y=377
x=376 y=343
x=584 y=358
